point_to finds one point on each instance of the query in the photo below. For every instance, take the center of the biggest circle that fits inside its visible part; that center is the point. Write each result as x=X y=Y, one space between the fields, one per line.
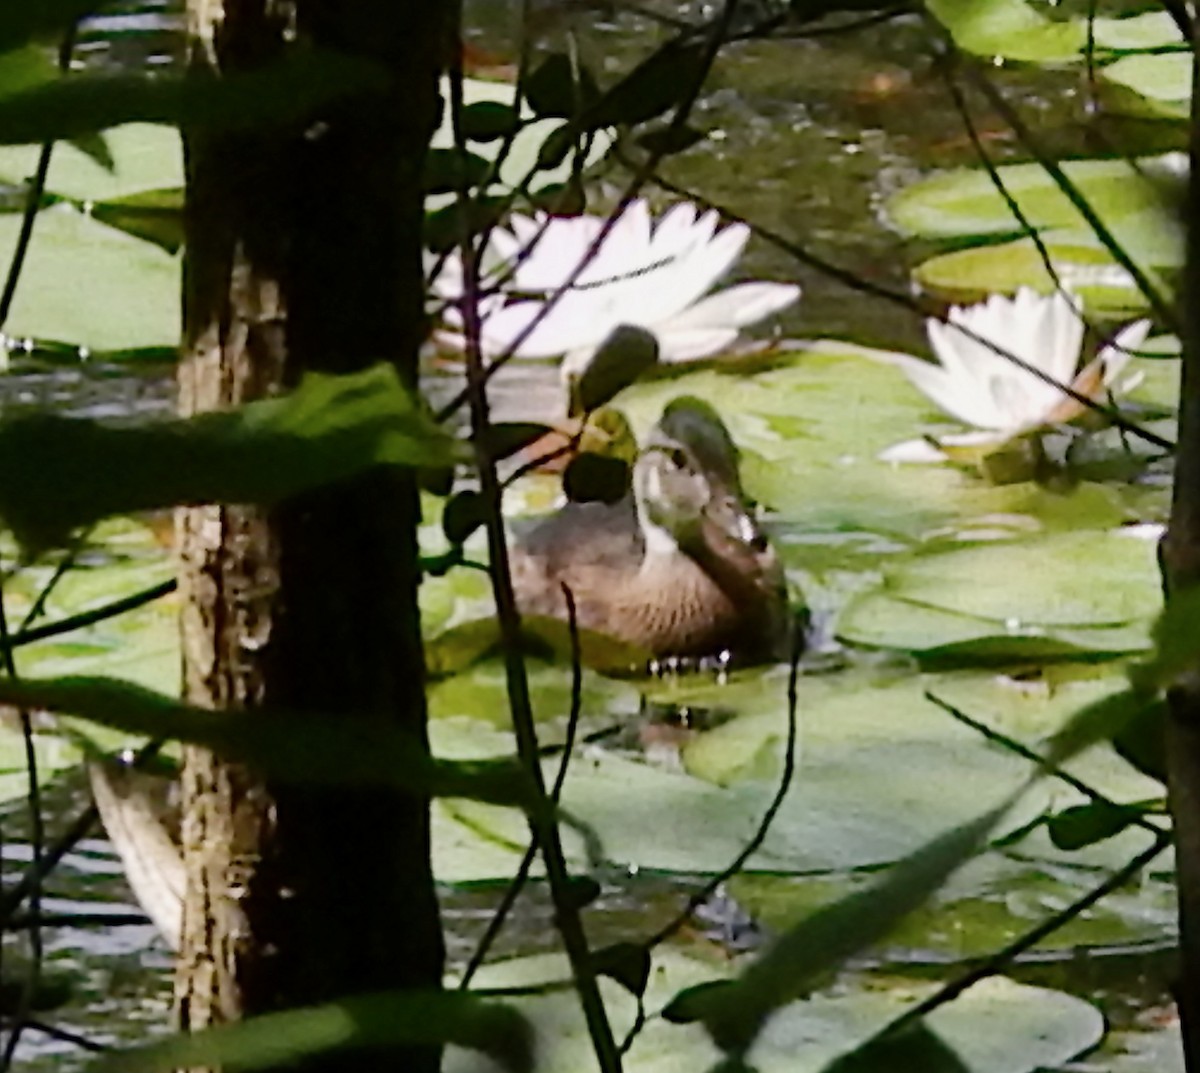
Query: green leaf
x=369 y=1021
x=1012 y=29
x=449 y=171
x=329 y=428
x=291 y=746
x=290 y=90
x=558 y=143
x=670 y=141
x=627 y=963
x=153 y=215
x=546 y=638
x=1142 y=741
x=23 y=23
x=967 y=276
x=488 y=121
x=655 y=85
x=505 y=438
x=465 y=512
x=595 y=478
x=553 y=91
x=917 y=1047
x=1099 y=721
x=1083 y=825
x=1176 y=641
x=626 y=353
x=25 y=69
x=997 y=1026
x=734 y=1016
x=521 y=153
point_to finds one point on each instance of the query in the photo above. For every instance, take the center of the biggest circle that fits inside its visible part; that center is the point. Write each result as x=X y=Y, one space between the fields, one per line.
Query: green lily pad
x=88 y=285
x=1059 y=594
x=880 y=771
x=965 y=202
x=1151 y=30
x=996 y=1027
x=1012 y=29
x=146 y=156
x=1162 y=80
x=810 y=431
x=969 y=275
x=140 y=645
x=983 y=907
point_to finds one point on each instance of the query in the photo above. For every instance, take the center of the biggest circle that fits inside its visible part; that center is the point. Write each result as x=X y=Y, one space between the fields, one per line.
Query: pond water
x=1012 y=603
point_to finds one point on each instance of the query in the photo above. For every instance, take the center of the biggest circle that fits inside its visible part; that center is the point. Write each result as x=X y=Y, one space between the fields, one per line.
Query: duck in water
x=679 y=567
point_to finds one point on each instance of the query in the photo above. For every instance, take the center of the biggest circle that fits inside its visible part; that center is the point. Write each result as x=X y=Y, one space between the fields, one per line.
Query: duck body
x=678 y=567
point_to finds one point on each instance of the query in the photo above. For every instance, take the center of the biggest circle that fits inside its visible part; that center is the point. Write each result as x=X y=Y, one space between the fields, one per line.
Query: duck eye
x=677 y=457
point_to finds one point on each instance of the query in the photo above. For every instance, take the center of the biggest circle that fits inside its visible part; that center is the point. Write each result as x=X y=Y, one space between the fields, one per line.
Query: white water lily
x=645 y=274
x=999 y=399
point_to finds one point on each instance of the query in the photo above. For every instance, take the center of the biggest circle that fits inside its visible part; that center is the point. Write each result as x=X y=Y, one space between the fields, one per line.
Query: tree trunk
x=1181 y=568
x=304 y=254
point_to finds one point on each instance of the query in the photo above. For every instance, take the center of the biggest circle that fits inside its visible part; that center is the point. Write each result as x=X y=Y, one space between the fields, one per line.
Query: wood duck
x=679 y=567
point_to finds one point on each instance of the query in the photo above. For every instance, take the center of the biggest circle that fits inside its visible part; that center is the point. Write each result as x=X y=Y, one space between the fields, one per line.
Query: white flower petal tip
x=1003 y=364
x=1142 y=531
x=647 y=272
x=913 y=452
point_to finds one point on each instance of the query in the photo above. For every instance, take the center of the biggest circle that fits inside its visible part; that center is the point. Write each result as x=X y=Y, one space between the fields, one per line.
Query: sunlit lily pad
x=1149 y=30
x=965 y=202
x=880 y=771
x=141 y=645
x=810 y=431
x=1059 y=594
x=996 y=1027
x=92 y=286
x=1013 y=29
x=1078 y=259
x=1161 y=81
x=984 y=907
x=146 y=156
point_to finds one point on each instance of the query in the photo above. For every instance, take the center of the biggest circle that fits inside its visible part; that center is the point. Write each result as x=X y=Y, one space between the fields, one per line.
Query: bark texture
x=304 y=254
x=1180 y=554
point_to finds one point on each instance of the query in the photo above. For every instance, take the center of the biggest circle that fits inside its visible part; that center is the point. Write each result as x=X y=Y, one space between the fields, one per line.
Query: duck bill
x=729 y=530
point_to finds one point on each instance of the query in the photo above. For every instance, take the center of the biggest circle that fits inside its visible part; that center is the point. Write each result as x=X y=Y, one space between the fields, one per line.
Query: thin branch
x=1023 y=751
x=1071 y=192
x=642 y=173
x=511 y=893
x=998 y=961
x=768 y=817
x=91 y=616
x=913 y=305
x=543 y=826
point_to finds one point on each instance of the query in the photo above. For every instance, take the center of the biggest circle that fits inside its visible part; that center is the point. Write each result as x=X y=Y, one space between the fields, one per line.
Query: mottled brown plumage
x=679 y=566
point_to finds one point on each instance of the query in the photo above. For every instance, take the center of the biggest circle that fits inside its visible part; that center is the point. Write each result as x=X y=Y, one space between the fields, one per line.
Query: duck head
x=688 y=492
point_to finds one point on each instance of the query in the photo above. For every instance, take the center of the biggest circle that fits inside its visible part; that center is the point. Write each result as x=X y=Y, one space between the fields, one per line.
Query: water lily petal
x=688 y=277
x=578 y=319
x=738 y=306
x=928 y=449
x=952 y=387
x=675 y=232
x=692 y=344
x=1118 y=353
x=920 y=451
